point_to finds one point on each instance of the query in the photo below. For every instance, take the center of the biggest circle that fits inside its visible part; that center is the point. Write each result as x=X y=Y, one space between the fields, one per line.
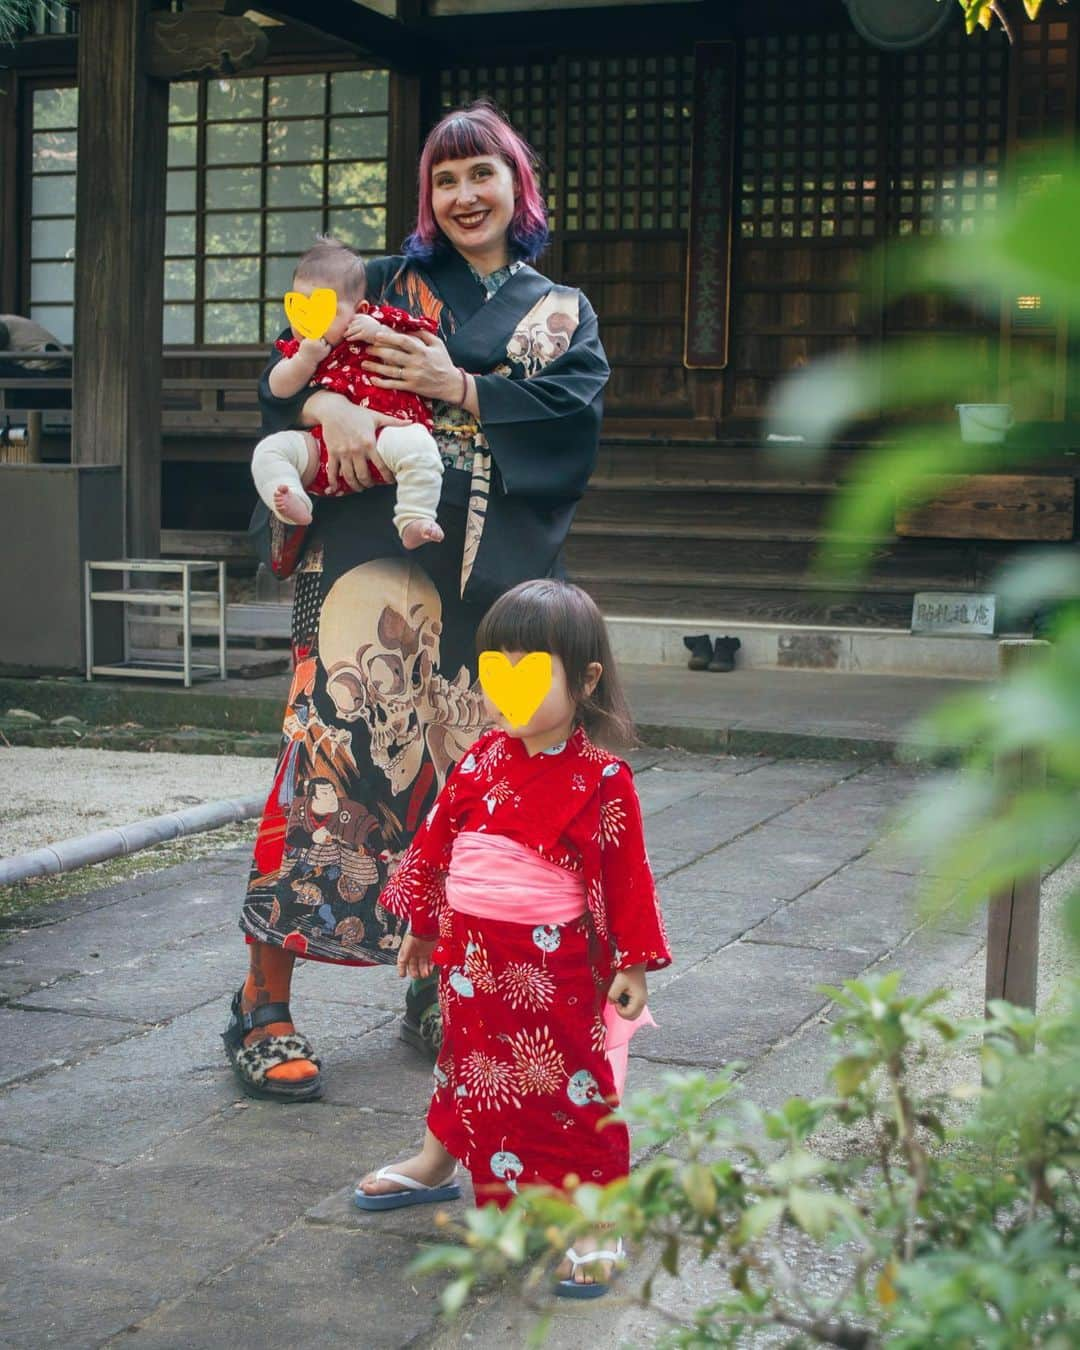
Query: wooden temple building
x=762 y=149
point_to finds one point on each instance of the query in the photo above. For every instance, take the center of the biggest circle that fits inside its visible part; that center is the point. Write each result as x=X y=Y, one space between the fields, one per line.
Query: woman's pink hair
x=480 y=129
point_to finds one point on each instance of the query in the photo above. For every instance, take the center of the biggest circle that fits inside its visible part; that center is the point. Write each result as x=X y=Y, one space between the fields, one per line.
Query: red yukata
x=342 y=372
x=523 y=1083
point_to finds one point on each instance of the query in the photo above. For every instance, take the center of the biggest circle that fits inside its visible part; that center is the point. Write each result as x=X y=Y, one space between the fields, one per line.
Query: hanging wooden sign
x=708 y=262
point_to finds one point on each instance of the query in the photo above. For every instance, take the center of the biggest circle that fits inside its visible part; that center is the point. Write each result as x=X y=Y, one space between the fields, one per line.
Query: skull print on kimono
x=379 y=644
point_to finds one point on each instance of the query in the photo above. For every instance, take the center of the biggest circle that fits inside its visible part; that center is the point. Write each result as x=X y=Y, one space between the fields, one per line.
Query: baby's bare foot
x=290 y=507
x=419 y=532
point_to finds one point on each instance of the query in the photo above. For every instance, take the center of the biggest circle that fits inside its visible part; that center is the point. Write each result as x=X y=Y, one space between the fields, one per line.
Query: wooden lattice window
x=525 y=93
x=54 y=116
x=951 y=131
x=258 y=166
x=811 y=137
x=1042 y=110
x=613 y=134
x=628 y=122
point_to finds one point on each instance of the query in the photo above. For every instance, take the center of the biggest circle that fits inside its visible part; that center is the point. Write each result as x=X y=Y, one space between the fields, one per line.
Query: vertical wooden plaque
x=708 y=260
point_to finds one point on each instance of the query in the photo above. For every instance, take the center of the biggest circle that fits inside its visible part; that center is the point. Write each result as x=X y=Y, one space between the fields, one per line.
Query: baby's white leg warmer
x=411 y=455
x=280 y=460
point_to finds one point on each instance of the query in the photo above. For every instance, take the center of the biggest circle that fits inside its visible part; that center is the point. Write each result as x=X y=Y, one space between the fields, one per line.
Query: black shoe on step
x=724 y=654
x=700 y=649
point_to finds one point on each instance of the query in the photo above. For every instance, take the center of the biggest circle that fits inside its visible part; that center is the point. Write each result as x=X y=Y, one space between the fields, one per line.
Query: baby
x=289 y=465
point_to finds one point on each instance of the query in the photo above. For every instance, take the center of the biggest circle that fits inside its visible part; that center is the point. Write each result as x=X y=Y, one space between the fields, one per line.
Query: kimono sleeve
x=543 y=432
x=417 y=889
x=634 y=920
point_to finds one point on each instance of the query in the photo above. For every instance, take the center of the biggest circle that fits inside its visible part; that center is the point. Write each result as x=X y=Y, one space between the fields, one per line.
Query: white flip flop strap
x=410 y=1183
x=590 y=1257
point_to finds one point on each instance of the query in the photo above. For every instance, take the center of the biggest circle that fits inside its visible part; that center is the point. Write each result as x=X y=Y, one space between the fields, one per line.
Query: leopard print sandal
x=251 y=1063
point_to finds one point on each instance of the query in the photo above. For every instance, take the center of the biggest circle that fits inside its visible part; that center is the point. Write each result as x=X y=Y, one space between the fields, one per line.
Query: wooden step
x=690 y=462
x=693 y=559
x=766 y=604
x=624 y=508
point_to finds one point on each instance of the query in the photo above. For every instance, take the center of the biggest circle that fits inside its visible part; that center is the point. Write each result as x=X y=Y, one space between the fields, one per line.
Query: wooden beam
x=119 y=245
x=402 y=48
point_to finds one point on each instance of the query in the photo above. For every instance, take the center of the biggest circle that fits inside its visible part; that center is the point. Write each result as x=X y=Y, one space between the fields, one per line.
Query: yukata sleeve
x=544 y=431
x=635 y=924
x=417 y=889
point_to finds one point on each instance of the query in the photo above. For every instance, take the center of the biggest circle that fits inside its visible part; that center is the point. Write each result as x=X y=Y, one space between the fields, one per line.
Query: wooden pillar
x=1012 y=930
x=402 y=154
x=119 y=247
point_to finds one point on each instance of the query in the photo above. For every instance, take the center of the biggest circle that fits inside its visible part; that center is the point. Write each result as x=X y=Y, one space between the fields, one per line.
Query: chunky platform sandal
x=570 y=1288
x=412 y=1192
x=421 y=1027
x=251 y=1063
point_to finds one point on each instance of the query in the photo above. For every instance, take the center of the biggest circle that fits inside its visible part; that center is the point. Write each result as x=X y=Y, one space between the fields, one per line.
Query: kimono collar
x=574 y=740
x=482 y=325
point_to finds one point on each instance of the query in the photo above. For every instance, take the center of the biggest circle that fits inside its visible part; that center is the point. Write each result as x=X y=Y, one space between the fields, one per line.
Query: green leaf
x=850 y=1073
x=455 y=1294
x=810 y=1211
x=759 y=1217
x=699 y=1186
x=441 y=1258
x=669 y=1258
x=538 y=1333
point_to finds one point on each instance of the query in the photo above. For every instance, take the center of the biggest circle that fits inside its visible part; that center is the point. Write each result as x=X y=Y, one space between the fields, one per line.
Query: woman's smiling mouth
x=472 y=220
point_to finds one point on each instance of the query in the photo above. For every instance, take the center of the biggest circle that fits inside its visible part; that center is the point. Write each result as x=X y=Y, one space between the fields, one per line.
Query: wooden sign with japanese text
x=708 y=261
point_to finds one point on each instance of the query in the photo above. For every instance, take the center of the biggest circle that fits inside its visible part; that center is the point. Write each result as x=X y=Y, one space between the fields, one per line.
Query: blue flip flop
x=572 y=1289
x=412 y=1192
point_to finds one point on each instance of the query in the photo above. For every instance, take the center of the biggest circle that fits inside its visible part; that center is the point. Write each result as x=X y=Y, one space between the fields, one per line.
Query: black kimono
x=384 y=699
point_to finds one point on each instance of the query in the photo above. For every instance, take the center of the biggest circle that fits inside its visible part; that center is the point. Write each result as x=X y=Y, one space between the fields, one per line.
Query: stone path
x=148 y=1204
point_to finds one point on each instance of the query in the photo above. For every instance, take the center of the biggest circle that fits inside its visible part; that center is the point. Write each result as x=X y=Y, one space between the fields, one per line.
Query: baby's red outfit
x=342 y=372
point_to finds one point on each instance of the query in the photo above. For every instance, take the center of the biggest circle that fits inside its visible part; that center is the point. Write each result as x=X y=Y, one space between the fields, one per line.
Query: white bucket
x=984 y=422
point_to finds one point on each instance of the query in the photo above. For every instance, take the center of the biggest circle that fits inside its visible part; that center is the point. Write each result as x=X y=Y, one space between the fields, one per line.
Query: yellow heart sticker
x=517 y=691
x=311 y=315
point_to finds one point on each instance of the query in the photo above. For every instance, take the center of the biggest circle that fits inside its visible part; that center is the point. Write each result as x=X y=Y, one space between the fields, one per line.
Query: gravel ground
x=58 y=794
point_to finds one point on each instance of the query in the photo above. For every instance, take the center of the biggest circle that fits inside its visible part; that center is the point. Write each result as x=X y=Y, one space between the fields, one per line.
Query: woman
x=384 y=698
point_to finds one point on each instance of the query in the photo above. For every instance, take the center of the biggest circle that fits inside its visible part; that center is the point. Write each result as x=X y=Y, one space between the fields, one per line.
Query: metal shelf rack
x=189 y=602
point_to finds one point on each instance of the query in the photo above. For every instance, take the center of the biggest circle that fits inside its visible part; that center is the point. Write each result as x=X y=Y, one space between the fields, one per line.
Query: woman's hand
x=416 y=362
x=629 y=992
x=349 y=432
x=414 y=957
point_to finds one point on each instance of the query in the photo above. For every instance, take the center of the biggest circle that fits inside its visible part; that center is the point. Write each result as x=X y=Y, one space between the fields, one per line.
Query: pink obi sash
x=493 y=877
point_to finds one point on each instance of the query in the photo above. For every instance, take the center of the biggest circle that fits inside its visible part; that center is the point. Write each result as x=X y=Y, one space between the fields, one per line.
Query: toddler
x=289 y=467
x=529 y=887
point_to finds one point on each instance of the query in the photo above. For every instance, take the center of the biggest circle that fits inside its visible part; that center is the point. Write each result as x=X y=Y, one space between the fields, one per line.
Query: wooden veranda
x=769 y=138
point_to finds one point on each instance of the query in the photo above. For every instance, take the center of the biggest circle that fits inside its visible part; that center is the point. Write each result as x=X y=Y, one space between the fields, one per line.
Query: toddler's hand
x=363 y=328
x=628 y=992
x=414 y=958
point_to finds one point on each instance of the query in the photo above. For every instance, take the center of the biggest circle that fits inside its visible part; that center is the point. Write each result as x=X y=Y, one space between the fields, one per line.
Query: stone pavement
x=751 y=711
x=148 y=1204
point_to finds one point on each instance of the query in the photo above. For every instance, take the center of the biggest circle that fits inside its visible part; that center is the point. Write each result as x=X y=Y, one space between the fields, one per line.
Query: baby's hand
x=414 y=957
x=363 y=328
x=628 y=992
x=313 y=350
